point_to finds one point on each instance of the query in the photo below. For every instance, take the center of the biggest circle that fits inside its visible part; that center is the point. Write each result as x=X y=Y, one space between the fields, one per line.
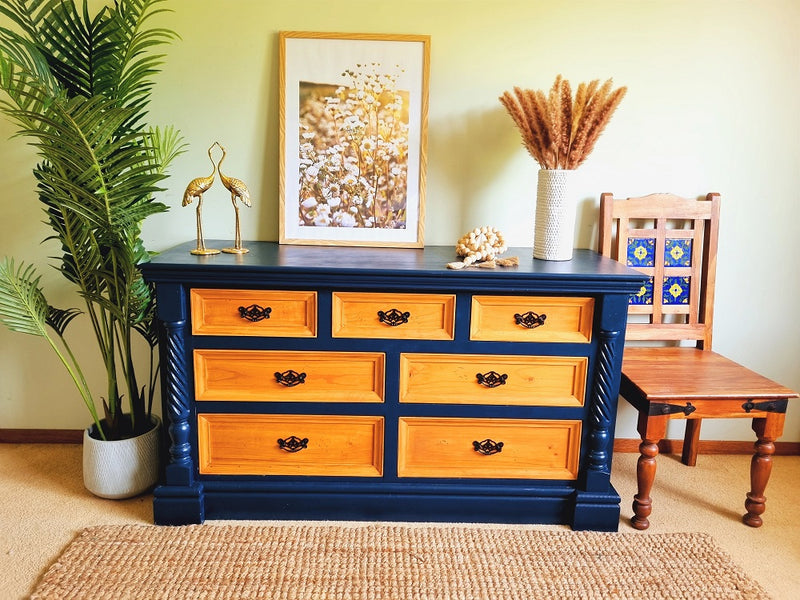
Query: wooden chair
x=674 y=241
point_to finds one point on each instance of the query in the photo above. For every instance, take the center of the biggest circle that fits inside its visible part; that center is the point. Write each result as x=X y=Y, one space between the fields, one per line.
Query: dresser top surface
x=265 y=258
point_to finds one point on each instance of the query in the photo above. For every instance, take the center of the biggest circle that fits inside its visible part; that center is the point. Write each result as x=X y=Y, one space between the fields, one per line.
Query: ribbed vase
x=554 y=230
x=121 y=468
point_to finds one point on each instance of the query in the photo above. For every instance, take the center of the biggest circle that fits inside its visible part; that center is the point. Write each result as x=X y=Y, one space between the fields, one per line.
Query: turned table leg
x=652 y=430
x=767 y=430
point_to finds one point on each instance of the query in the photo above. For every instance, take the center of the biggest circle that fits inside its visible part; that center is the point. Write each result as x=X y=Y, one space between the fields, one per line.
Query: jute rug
x=321 y=561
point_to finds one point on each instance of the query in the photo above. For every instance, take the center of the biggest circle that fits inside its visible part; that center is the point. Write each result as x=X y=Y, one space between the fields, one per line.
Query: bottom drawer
x=446 y=447
x=245 y=444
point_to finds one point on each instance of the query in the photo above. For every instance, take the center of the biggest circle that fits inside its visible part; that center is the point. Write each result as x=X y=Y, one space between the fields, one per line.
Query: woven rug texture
x=324 y=561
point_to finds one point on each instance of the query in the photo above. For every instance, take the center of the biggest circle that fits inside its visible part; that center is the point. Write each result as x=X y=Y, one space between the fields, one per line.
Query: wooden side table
x=730 y=392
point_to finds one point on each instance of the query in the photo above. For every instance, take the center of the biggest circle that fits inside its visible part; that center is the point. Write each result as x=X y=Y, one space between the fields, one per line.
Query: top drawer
x=266 y=313
x=531 y=319
x=393 y=316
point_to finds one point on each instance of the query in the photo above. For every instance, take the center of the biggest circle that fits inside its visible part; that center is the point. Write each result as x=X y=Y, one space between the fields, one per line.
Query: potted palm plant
x=78 y=86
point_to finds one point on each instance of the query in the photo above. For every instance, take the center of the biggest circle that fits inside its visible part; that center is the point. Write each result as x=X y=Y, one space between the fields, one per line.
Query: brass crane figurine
x=238 y=190
x=196 y=189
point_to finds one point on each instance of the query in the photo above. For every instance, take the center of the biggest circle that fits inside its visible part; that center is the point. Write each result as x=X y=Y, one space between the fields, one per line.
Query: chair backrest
x=674 y=241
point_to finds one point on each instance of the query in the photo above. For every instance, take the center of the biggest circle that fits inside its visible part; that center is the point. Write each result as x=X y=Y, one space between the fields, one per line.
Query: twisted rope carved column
x=603 y=403
x=177 y=402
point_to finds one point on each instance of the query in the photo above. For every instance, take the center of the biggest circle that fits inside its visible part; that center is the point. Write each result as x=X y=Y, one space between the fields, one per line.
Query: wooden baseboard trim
x=41 y=436
x=75 y=436
x=708 y=447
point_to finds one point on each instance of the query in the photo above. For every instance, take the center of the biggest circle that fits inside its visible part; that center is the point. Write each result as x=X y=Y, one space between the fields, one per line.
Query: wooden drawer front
x=528 y=381
x=328 y=445
x=393 y=316
x=220 y=312
x=253 y=375
x=494 y=319
x=445 y=447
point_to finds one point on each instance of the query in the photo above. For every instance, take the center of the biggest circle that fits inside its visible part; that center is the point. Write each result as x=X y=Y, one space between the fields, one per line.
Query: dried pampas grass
x=557 y=130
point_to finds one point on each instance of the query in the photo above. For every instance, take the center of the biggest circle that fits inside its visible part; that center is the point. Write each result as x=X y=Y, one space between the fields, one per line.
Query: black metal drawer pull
x=293 y=444
x=488 y=447
x=530 y=320
x=290 y=378
x=492 y=379
x=393 y=317
x=254 y=312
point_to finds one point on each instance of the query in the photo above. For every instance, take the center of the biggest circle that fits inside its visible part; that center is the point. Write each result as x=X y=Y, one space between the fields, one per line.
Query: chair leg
x=652 y=431
x=691 y=441
x=645 y=475
x=768 y=430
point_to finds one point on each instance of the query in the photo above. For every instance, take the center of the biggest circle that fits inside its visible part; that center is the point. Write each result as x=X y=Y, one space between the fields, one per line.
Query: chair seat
x=664 y=375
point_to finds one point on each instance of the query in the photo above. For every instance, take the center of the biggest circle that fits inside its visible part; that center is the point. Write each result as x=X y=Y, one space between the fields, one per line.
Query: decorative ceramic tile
x=678 y=253
x=676 y=290
x=641 y=252
x=644 y=295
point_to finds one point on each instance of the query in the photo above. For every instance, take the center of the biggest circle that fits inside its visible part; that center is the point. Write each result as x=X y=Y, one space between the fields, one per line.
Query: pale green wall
x=712 y=105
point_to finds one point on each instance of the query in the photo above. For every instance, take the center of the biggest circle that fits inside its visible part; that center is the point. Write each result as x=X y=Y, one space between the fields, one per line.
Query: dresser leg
x=768 y=430
x=652 y=429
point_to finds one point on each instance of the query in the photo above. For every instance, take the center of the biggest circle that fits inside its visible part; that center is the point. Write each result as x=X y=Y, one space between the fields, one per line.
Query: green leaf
x=23 y=307
x=58 y=318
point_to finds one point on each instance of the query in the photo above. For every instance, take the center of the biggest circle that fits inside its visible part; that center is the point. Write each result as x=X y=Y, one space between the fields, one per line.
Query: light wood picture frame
x=353 y=135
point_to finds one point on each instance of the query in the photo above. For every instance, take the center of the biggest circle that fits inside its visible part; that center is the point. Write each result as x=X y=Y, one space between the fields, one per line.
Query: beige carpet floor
x=43 y=507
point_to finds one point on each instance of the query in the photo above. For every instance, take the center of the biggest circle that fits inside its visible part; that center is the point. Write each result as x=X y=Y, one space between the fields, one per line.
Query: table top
x=270 y=259
x=704 y=375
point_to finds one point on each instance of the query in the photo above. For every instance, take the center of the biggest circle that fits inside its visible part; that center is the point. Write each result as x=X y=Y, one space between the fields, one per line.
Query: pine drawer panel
x=445 y=447
x=232 y=444
x=417 y=316
x=250 y=375
x=529 y=381
x=566 y=319
x=219 y=312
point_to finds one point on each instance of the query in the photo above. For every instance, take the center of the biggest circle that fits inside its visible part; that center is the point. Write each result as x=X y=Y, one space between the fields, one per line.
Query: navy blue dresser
x=315 y=382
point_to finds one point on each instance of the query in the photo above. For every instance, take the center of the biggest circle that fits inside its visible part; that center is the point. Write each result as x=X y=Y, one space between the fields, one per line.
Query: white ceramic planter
x=554 y=230
x=121 y=468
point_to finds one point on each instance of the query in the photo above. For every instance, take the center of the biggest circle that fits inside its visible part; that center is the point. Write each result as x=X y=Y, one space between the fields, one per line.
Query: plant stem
x=78 y=378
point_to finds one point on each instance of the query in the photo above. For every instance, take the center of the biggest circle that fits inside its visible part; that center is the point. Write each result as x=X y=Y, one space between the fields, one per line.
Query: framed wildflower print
x=353 y=111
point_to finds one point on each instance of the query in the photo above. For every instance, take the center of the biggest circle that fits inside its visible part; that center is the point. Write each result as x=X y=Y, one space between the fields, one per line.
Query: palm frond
x=138 y=64
x=168 y=144
x=58 y=319
x=23 y=307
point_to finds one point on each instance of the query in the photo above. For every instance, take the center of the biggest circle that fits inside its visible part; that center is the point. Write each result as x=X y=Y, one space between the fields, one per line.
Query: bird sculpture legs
x=201 y=244
x=238 y=191
x=237 y=240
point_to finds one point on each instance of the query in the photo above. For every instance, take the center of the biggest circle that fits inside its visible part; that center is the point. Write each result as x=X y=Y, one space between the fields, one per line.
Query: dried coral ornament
x=481 y=247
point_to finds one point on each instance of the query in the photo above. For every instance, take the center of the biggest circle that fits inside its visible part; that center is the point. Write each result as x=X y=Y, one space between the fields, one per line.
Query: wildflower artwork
x=354 y=151
x=353 y=134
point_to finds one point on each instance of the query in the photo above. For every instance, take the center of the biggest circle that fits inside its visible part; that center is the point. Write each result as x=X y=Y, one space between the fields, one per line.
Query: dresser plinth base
x=595 y=511
x=544 y=505
x=384 y=507
x=178 y=505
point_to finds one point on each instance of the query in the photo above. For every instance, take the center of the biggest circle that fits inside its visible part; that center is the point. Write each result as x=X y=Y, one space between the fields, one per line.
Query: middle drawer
x=289 y=376
x=393 y=316
x=493 y=379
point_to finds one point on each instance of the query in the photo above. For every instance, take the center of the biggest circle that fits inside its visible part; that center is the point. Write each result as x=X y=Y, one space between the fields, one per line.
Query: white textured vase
x=554 y=230
x=121 y=468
